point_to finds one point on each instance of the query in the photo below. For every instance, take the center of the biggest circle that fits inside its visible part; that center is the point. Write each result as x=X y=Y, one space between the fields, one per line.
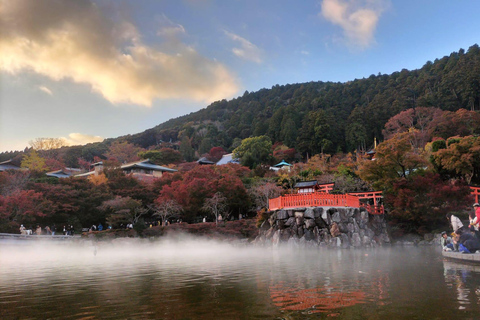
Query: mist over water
x=190 y=278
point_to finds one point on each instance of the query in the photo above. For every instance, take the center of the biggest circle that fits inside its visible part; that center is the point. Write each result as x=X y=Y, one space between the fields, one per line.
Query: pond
x=197 y=279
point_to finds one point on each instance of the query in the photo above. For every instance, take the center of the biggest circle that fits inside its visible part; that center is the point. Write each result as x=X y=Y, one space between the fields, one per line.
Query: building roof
x=58 y=174
x=305 y=184
x=204 y=161
x=283 y=163
x=8 y=165
x=146 y=164
x=226 y=159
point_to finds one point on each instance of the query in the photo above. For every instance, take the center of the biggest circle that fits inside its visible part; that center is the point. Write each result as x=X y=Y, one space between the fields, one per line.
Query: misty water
x=196 y=279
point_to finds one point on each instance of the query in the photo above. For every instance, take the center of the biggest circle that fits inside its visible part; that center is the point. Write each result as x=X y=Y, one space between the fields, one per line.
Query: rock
x=299 y=220
x=300 y=232
x=356 y=241
x=276 y=238
x=326 y=218
x=290 y=213
x=317 y=212
x=309 y=214
x=309 y=223
x=350 y=227
x=290 y=222
x=265 y=225
x=336 y=217
x=345 y=241
x=308 y=235
x=299 y=214
x=281 y=224
x=320 y=223
x=282 y=214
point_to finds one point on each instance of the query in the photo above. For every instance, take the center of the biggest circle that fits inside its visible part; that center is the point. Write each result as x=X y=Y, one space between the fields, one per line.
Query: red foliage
x=216 y=153
x=422 y=202
x=287 y=155
x=23 y=206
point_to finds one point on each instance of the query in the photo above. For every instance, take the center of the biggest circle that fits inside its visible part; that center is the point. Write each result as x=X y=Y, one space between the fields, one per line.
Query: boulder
x=309 y=223
x=326 y=218
x=299 y=220
x=336 y=217
x=356 y=241
x=309 y=235
x=300 y=232
x=309 y=214
x=290 y=221
x=265 y=225
x=317 y=212
x=281 y=224
x=282 y=214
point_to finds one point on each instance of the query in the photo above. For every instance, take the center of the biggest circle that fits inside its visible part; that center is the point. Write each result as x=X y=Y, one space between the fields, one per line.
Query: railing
x=314 y=200
x=373 y=209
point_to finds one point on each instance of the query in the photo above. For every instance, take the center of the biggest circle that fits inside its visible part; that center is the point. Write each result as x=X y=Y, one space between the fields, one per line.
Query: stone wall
x=342 y=227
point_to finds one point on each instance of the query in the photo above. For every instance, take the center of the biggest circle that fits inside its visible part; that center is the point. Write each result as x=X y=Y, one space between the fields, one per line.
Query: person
x=22 y=229
x=38 y=231
x=476 y=217
x=48 y=230
x=54 y=229
x=446 y=242
x=455 y=222
x=100 y=227
x=467 y=240
x=204 y=219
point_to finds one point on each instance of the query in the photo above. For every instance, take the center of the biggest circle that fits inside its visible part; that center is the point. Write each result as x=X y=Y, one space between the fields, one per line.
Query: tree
x=216 y=205
x=123 y=152
x=263 y=192
x=165 y=208
x=47 y=143
x=419 y=203
x=123 y=210
x=163 y=156
x=462 y=157
x=21 y=207
x=34 y=162
x=395 y=158
x=186 y=149
x=254 y=151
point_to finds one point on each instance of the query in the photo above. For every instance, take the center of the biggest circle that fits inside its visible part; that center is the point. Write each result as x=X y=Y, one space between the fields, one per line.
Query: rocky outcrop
x=342 y=227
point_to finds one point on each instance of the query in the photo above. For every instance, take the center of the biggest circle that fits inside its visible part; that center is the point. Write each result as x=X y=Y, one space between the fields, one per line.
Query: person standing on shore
x=454 y=221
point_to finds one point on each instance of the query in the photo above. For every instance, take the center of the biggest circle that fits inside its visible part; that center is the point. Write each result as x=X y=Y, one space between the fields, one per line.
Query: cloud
x=358 y=19
x=46 y=90
x=247 y=50
x=76 y=40
x=76 y=139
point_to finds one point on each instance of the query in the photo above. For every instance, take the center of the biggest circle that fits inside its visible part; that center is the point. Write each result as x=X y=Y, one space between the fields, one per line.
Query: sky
x=86 y=70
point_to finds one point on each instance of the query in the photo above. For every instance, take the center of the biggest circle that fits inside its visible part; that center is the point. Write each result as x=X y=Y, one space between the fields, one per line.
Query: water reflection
x=208 y=280
x=463 y=278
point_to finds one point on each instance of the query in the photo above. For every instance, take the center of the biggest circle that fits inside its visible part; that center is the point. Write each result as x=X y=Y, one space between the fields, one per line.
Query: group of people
x=464 y=239
x=67 y=230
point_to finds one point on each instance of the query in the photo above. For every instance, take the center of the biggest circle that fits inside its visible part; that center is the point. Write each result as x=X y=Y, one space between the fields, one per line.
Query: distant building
x=8 y=165
x=281 y=165
x=144 y=170
x=63 y=173
x=313 y=186
x=226 y=159
x=203 y=161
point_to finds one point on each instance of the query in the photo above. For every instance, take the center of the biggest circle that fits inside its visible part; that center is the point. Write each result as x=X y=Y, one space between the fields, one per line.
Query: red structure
x=475 y=192
x=322 y=199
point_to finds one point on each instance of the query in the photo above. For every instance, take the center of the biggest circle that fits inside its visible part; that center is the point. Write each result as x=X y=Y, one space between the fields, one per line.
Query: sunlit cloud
x=78 y=41
x=358 y=19
x=46 y=90
x=77 y=139
x=247 y=50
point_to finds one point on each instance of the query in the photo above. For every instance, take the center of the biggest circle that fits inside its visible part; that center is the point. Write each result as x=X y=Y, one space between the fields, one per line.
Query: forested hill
x=316 y=116
x=334 y=116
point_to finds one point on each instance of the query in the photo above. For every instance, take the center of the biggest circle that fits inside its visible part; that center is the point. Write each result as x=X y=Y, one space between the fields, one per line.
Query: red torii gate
x=376 y=196
x=475 y=192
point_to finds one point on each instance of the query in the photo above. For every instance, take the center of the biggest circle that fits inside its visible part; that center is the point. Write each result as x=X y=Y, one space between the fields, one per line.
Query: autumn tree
x=21 y=207
x=418 y=204
x=34 y=162
x=394 y=159
x=216 y=205
x=165 y=208
x=461 y=157
x=123 y=152
x=264 y=191
x=47 y=143
x=123 y=211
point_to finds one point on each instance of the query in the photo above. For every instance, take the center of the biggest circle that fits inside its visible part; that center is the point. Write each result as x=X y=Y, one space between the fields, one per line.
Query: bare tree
x=123 y=210
x=216 y=205
x=263 y=192
x=166 y=209
x=48 y=143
